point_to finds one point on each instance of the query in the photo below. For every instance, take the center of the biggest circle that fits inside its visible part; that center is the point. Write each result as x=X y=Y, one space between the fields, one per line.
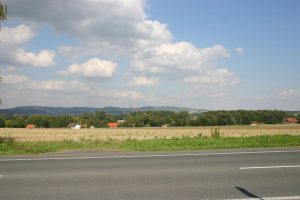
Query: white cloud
x=221 y=77
x=14 y=79
x=288 y=93
x=174 y=56
x=17 y=89
x=119 y=23
x=127 y=95
x=280 y=94
x=114 y=94
x=239 y=50
x=66 y=86
x=18 y=81
x=93 y=68
x=283 y=99
x=44 y=58
x=17 y=35
x=143 y=81
x=12 y=49
x=186 y=63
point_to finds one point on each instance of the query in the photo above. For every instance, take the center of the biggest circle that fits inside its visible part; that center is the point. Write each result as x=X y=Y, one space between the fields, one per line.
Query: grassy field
x=122 y=134
x=24 y=141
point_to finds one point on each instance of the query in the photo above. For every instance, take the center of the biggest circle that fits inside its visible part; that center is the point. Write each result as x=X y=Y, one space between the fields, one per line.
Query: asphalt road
x=226 y=174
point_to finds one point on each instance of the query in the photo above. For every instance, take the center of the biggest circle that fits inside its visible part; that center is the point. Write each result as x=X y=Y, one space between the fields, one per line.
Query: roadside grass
x=44 y=147
x=200 y=143
x=11 y=147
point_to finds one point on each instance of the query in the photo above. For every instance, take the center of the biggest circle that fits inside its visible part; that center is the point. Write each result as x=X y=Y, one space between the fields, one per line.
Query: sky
x=206 y=54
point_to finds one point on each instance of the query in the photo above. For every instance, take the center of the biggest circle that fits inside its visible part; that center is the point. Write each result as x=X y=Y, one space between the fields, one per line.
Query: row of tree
x=240 y=117
x=148 y=118
x=98 y=119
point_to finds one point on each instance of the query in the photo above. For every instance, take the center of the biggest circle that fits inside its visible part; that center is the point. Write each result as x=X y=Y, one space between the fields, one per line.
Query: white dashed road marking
x=271 y=167
x=271 y=198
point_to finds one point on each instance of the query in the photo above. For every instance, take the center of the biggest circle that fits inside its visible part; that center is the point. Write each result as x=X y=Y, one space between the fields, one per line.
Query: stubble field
x=122 y=134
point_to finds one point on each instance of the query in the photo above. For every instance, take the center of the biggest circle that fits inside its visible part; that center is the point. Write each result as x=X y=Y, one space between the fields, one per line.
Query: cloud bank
x=120 y=23
x=104 y=33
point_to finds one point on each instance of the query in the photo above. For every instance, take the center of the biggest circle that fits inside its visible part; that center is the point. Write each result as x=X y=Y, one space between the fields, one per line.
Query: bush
x=215 y=133
x=7 y=140
x=1 y=122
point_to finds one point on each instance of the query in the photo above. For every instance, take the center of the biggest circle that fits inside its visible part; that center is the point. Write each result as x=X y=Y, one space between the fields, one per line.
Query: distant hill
x=44 y=110
x=293 y=112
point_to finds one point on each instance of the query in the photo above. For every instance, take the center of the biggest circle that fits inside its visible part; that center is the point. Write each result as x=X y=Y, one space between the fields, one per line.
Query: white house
x=77 y=126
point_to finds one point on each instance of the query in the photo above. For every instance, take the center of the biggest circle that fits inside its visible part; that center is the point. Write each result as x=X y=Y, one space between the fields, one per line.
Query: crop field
x=122 y=134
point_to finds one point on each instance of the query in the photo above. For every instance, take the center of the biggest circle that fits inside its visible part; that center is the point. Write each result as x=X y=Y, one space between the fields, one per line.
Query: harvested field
x=122 y=134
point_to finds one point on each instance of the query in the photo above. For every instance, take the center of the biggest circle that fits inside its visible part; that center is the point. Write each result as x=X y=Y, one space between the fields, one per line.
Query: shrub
x=215 y=132
x=7 y=140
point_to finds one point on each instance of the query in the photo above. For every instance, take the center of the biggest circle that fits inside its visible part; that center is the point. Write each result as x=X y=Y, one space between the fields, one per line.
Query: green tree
x=40 y=121
x=3 y=17
x=18 y=123
x=2 y=124
x=3 y=11
x=182 y=119
x=8 y=123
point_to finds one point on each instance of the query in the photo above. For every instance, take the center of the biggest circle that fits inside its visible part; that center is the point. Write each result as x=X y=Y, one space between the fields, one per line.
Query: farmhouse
x=290 y=120
x=30 y=126
x=166 y=125
x=71 y=125
x=112 y=124
x=77 y=126
x=121 y=121
x=254 y=123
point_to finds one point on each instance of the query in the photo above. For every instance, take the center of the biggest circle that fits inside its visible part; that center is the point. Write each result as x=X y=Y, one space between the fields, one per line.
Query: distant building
x=254 y=123
x=77 y=126
x=30 y=126
x=290 y=120
x=71 y=125
x=121 y=121
x=166 y=125
x=112 y=124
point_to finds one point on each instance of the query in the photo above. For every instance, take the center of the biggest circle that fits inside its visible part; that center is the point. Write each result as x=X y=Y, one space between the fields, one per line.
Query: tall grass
x=215 y=132
x=184 y=143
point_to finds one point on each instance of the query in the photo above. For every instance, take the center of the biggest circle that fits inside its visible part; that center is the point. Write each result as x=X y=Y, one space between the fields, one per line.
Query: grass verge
x=9 y=147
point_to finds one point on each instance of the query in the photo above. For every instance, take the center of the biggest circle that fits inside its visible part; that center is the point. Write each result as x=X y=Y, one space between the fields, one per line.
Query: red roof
x=30 y=126
x=290 y=120
x=112 y=124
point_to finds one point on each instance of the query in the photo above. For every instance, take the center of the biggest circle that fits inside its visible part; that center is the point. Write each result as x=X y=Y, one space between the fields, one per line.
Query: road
x=223 y=174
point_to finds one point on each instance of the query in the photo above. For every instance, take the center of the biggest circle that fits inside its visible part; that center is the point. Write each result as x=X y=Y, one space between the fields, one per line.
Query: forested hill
x=42 y=110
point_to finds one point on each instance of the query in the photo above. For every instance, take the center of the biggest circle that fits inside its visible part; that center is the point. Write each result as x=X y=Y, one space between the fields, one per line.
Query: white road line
x=271 y=198
x=147 y=156
x=1 y=176
x=271 y=167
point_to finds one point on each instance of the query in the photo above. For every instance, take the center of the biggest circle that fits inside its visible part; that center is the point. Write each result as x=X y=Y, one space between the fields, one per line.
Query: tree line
x=148 y=119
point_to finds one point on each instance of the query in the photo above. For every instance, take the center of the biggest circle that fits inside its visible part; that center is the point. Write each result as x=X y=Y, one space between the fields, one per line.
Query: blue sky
x=200 y=54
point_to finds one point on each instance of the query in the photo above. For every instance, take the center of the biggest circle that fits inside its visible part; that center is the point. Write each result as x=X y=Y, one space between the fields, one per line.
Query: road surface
x=224 y=174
